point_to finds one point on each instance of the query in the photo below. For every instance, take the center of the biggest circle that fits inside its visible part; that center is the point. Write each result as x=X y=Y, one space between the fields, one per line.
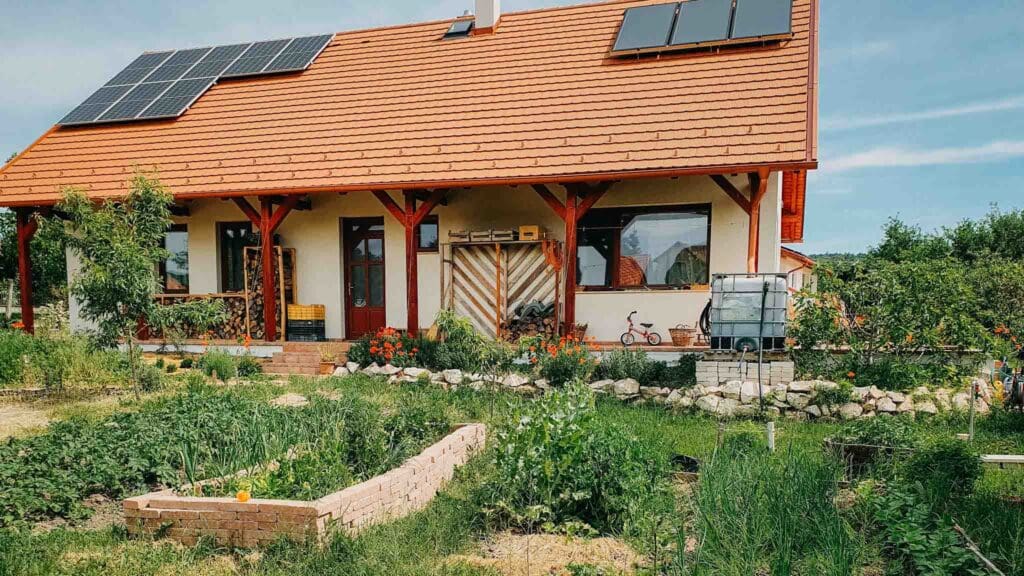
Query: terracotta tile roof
x=537 y=101
x=794 y=193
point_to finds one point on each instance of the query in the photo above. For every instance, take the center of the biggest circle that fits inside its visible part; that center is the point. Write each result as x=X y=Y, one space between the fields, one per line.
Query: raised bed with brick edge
x=389 y=496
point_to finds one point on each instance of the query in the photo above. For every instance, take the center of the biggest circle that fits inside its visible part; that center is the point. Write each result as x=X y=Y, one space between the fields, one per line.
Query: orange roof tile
x=540 y=100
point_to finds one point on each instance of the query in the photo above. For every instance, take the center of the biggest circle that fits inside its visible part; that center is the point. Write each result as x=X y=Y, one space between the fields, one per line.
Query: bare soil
x=18 y=419
x=532 y=555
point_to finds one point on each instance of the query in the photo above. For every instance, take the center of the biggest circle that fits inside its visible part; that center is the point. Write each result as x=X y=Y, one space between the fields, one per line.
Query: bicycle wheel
x=653 y=338
x=627 y=338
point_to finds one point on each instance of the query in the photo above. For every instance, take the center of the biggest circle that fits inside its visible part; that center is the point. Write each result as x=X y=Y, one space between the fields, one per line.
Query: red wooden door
x=364 y=275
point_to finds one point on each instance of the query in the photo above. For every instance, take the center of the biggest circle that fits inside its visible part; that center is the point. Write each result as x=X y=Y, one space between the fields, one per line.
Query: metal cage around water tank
x=736 y=321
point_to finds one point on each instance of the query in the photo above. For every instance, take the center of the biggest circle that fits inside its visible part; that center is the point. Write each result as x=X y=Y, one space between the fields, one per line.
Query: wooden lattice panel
x=528 y=276
x=475 y=285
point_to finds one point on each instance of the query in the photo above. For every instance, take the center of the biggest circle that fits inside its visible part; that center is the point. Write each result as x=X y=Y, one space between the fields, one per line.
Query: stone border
x=389 y=496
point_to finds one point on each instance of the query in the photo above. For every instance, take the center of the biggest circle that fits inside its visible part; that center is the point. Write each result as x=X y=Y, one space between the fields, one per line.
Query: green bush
x=186 y=363
x=556 y=465
x=459 y=345
x=159 y=362
x=171 y=368
x=631 y=363
x=946 y=469
x=217 y=364
x=880 y=431
x=560 y=361
x=249 y=366
x=150 y=378
x=837 y=396
x=14 y=345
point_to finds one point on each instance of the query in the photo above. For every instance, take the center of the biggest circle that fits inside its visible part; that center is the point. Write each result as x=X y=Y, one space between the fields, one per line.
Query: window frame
x=619 y=212
x=428 y=219
x=221 y=264
x=162 y=267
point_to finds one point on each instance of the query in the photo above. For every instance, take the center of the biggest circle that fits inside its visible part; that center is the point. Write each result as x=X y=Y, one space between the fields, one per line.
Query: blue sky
x=921 y=101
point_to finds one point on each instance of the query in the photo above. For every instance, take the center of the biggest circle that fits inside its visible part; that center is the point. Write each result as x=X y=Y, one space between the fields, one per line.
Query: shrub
x=150 y=378
x=459 y=345
x=879 y=431
x=14 y=345
x=249 y=366
x=560 y=361
x=946 y=468
x=386 y=346
x=217 y=364
x=171 y=368
x=555 y=464
x=186 y=363
x=159 y=362
x=631 y=363
x=841 y=394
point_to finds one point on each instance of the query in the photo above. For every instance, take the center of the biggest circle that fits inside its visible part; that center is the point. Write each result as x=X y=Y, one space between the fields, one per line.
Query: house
x=798 y=267
x=652 y=143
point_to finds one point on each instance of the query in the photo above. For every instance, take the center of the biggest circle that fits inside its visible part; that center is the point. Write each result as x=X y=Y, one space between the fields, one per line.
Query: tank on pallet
x=736 y=319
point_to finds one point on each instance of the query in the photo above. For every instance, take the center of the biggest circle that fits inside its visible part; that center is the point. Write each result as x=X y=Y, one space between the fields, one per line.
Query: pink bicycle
x=628 y=337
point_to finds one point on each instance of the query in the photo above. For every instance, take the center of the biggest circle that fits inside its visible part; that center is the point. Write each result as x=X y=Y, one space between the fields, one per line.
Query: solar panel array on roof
x=700 y=23
x=165 y=84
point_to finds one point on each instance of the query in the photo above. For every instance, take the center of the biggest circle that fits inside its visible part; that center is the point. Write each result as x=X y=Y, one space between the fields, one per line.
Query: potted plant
x=328 y=361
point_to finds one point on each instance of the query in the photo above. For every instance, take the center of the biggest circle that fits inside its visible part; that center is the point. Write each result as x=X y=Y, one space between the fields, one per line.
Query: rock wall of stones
x=799 y=399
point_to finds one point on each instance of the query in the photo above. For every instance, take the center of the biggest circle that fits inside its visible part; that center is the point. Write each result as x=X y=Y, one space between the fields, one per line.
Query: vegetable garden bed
x=231 y=521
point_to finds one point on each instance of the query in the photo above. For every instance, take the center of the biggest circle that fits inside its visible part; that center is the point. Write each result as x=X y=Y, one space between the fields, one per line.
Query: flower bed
x=260 y=521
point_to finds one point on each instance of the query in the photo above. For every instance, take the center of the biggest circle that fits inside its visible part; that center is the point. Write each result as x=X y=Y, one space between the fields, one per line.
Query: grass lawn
x=426 y=542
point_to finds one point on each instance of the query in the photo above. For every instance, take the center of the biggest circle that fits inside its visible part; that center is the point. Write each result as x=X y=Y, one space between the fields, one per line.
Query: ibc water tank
x=736 y=312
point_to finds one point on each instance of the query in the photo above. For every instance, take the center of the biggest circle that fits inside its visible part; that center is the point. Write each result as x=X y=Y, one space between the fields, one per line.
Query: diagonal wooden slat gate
x=487 y=281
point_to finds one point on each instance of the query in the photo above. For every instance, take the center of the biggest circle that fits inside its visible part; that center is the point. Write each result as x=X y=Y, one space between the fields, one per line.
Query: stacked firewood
x=530 y=319
x=233 y=328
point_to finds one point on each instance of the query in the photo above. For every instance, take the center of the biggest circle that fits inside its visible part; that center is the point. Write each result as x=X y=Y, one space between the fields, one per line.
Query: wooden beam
x=423 y=195
x=732 y=191
x=590 y=196
x=249 y=211
x=552 y=201
x=391 y=205
x=287 y=205
x=26 y=225
x=411 y=265
x=760 y=180
x=304 y=202
x=267 y=257
x=569 y=316
x=436 y=197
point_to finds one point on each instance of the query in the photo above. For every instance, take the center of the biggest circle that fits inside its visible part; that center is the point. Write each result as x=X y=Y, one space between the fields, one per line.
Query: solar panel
x=762 y=19
x=139 y=69
x=702 y=21
x=255 y=58
x=135 y=101
x=299 y=54
x=177 y=98
x=646 y=27
x=176 y=66
x=165 y=84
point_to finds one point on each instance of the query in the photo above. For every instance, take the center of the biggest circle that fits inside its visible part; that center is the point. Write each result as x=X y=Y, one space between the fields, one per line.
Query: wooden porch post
x=26 y=227
x=758 y=187
x=410 y=217
x=579 y=198
x=267 y=221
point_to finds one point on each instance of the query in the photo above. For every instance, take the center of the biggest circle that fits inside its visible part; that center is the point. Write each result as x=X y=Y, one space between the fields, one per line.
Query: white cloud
x=891 y=157
x=983 y=107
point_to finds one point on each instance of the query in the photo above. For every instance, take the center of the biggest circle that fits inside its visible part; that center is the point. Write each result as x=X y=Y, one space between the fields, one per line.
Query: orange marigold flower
x=374 y=349
x=533 y=348
x=398 y=345
x=533 y=360
x=851 y=374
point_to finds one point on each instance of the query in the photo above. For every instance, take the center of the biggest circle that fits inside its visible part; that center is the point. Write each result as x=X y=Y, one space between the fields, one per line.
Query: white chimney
x=488 y=12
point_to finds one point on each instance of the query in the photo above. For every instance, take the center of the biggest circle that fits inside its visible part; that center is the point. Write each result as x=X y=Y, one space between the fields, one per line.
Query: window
x=174 y=270
x=233 y=237
x=459 y=29
x=427 y=235
x=646 y=247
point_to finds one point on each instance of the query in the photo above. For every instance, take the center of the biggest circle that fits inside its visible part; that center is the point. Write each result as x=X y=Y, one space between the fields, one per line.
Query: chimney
x=488 y=12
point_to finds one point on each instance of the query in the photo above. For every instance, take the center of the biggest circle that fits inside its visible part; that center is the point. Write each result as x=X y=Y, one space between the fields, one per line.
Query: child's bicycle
x=628 y=337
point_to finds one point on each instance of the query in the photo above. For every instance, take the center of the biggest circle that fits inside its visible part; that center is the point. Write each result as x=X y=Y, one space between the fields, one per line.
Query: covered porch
x=385 y=258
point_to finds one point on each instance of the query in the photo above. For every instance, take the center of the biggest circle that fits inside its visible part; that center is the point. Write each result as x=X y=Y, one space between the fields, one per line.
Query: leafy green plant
x=458 y=345
x=249 y=366
x=946 y=468
x=922 y=542
x=555 y=464
x=837 y=396
x=14 y=345
x=218 y=364
x=896 y=432
x=186 y=363
x=632 y=363
x=171 y=368
x=560 y=361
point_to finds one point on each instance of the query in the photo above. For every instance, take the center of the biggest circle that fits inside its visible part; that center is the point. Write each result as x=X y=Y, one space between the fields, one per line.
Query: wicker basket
x=682 y=335
x=306 y=312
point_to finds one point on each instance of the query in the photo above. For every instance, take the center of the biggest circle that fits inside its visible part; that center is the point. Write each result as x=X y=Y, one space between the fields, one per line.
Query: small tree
x=120 y=243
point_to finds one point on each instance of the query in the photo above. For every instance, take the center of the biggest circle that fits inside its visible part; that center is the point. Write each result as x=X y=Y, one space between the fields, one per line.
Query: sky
x=921 y=104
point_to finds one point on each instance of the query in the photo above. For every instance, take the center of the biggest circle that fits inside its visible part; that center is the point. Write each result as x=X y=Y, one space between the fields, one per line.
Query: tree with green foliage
x=120 y=243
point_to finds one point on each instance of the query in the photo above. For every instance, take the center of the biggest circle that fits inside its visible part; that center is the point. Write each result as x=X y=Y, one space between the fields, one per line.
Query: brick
x=287 y=507
x=239 y=525
x=217 y=515
x=143 y=513
x=180 y=514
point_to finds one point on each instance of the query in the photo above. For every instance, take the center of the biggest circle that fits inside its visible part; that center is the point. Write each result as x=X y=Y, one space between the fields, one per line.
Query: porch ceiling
x=539 y=101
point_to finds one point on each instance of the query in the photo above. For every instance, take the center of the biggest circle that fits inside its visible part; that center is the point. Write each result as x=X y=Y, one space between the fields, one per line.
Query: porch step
x=304 y=357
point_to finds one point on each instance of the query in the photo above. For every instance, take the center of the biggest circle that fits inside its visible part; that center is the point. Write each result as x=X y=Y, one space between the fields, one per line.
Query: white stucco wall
x=316 y=237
